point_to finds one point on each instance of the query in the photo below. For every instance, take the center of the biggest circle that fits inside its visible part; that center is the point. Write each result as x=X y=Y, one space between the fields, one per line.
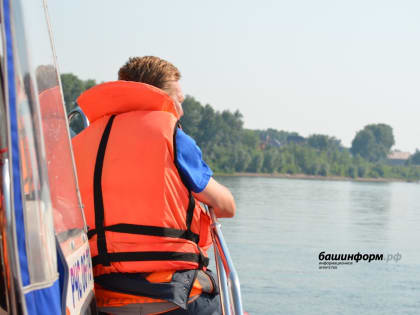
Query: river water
x=282 y=225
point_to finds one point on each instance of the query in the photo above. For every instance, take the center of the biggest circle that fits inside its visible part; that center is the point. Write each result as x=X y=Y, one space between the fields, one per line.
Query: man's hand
x=219 y=198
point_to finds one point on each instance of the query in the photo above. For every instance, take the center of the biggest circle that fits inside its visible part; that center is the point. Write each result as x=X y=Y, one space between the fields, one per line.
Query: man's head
x=157 y=72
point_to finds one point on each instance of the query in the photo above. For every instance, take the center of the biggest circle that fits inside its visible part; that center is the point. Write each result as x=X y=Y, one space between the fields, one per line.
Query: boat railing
x=77 y=120
x=230 y=289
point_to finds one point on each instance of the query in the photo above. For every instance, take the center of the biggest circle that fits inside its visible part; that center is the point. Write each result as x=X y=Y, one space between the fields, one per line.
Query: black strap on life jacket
x=148 y=230
x=97 y=194
x=204 y=261
x=104 y=258
x=191 y=205
x=200 y=259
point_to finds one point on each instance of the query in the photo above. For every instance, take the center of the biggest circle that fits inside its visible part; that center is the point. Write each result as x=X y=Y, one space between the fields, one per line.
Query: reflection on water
x=370 y=211
x=282 y=225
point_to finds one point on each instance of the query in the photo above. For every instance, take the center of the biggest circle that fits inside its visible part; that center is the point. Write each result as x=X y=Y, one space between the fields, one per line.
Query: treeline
x=228 y=147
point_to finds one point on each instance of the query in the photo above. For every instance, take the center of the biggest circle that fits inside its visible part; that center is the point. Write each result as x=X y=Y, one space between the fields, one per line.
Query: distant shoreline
x=315 y=177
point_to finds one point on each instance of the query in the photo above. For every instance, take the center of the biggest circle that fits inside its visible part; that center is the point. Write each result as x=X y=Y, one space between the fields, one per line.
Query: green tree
x=73 y=87
x=256 y=163
x=373 y=142
x=243 y=158
x=324 y=169
x=352 y=171
x=190 y=121
x=415 y=158
x=89 y=83
x=270 y=161
x=323 y=142
x=250 y=139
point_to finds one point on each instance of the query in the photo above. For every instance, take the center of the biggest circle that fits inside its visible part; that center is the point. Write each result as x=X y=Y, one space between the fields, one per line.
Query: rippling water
x=282 y=225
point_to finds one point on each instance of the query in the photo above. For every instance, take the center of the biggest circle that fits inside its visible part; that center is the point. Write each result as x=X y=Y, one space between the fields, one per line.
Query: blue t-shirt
x=194 y=171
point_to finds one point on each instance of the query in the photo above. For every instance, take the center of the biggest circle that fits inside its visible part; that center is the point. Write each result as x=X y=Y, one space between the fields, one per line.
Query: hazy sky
x=328 y=67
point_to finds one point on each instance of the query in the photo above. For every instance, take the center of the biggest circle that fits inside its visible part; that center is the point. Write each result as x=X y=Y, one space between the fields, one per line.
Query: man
x=141 y=179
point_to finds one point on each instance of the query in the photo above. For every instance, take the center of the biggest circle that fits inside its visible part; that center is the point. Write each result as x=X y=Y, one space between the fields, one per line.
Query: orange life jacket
x=141 y=216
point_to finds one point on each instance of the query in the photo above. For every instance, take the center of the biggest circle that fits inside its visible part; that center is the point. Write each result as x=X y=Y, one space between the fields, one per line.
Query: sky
x=313 y=67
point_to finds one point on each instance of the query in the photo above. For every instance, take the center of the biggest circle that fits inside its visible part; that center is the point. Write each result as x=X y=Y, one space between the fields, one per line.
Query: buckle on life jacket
x=203 y=261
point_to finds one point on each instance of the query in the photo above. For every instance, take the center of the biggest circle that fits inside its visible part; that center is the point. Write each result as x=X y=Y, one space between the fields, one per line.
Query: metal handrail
x=230 y=288
x=77 y=111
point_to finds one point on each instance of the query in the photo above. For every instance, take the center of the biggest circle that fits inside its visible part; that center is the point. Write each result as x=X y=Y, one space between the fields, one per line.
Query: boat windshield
x=43 y=124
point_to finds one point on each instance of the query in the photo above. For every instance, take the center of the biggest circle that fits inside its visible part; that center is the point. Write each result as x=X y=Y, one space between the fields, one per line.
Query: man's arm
x=219 y=198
